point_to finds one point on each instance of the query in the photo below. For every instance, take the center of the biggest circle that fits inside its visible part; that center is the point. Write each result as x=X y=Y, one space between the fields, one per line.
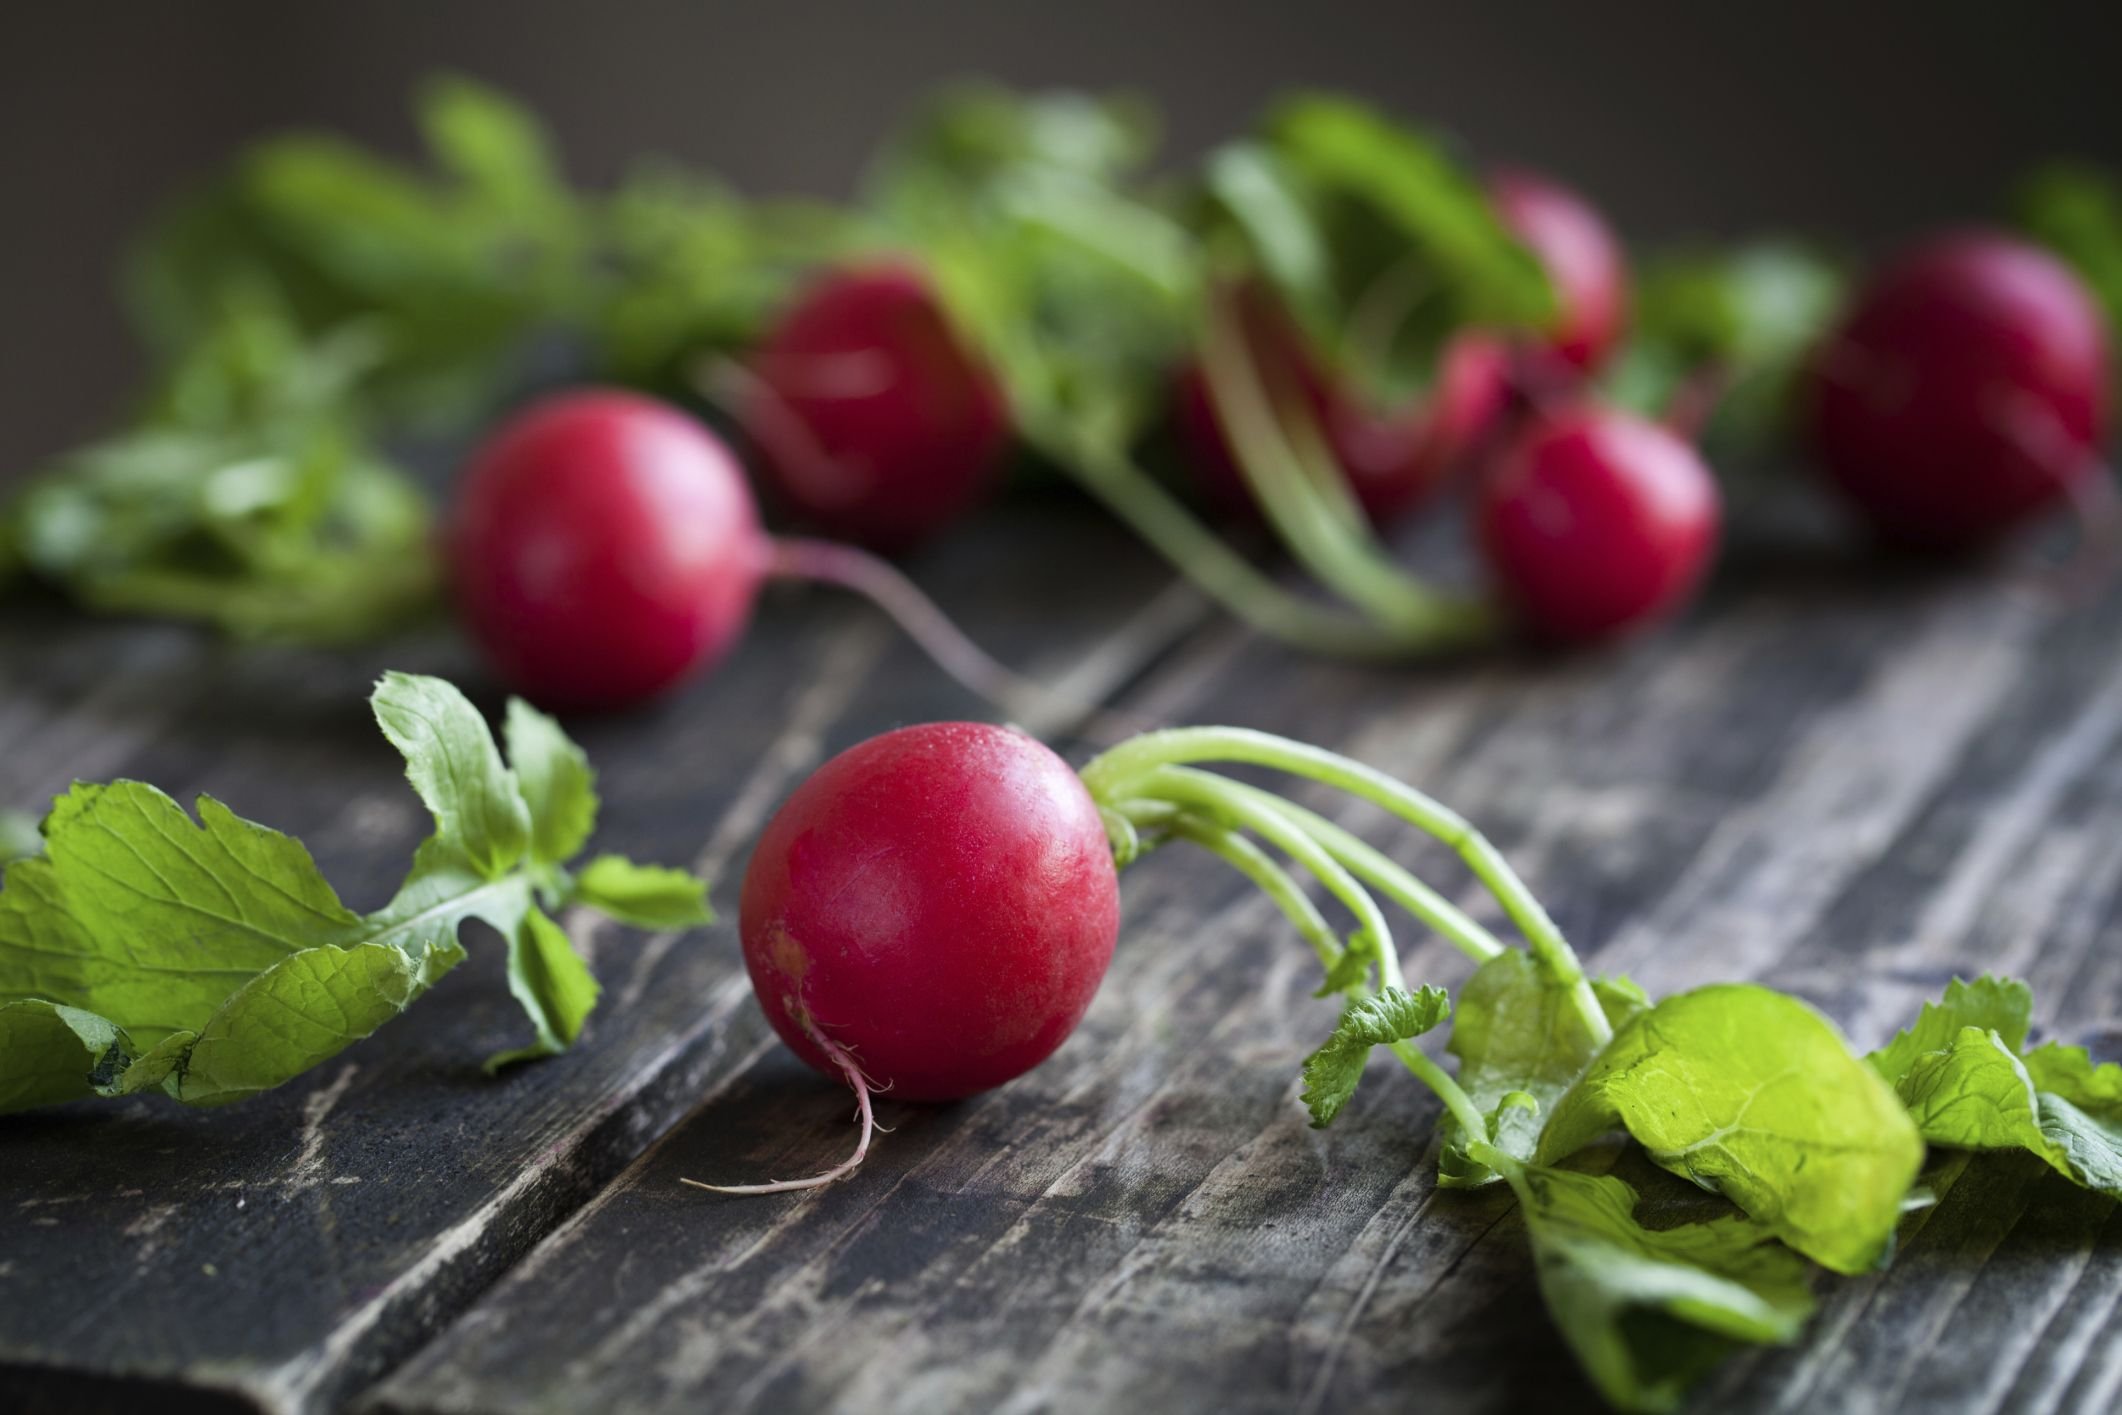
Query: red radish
x=931 y=913
x=1594 y=520
x=1582 y=258
x=1966 y=390
x=604 y=548
x=875 y=422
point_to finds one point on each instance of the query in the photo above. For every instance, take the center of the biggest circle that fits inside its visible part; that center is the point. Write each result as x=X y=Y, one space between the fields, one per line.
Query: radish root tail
x=861 y=1086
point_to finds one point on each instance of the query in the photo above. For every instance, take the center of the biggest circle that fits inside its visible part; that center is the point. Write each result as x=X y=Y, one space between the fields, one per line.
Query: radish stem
x=1371 y=866
x=1120 y=770
x=1276 y=883
x=1219 y=571
x=1219 y=798
x=1305 y=497
x=972 y=667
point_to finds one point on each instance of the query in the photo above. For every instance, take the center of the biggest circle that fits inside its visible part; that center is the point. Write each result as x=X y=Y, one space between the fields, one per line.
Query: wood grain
x=1851 y=781
x=282 y=1254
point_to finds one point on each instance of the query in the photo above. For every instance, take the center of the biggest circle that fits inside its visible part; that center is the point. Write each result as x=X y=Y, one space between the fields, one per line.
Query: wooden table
x=1851 y=780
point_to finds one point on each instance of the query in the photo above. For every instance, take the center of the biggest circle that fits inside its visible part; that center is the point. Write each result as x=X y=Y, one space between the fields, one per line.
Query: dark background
x=1860 y=121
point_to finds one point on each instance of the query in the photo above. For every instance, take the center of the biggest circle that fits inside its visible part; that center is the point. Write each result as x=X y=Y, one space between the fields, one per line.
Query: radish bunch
x=930 y=915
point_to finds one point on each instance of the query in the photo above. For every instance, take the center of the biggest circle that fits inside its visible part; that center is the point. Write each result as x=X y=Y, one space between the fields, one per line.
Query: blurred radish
x=604 y=548
x=1595 y=521
x=1581 y=256
x=1394 y=459
x=874 y=422
x=1966 y=390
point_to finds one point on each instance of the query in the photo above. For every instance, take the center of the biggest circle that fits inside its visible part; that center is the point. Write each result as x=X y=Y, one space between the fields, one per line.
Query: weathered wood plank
x=280 y=1254
x=1851 y=782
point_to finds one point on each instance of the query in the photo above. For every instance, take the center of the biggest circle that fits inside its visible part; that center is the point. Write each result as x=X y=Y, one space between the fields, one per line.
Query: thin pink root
x=758 y=405
x=861 y=1085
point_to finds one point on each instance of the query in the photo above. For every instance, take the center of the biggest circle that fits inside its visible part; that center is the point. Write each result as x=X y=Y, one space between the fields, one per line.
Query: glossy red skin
x=604 y=548
x=941 y=901
x=1914 y=400
x=1394 y=461
x=911 y=426
x=1595 y=521
x=1581 y=255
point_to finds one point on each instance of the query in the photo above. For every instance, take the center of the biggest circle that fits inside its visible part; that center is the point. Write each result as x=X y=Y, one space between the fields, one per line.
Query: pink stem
x=972 y=667
x=757 y=405
x=860 y=1083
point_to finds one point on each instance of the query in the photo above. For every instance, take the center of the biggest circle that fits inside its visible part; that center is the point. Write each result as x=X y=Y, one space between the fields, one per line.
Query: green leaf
x=2001 y=1005
x=1648 y=1311
x=453 y=764
x=488 y=142
x=1331 y=1072
x=302 y=1011
x=556 y=781
x=1753 y=1094
x=552 y=982
x=2075 y=208
x=1753 y=314
x=1517 y=1033
x=1078 y=291
x=50 y=1053
x=1961 y=1073
x=246 y=497
x=1396 y=215
x=136 y=913
x=211 y=959
x=646 y=896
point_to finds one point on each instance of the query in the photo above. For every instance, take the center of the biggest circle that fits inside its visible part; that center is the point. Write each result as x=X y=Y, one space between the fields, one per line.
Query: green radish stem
x=1292 y=475
x=1212 y=795
x=1125 y=771
x=1227 y=801
x=1215 y=568
x=1396 y=884
x=1275 y=882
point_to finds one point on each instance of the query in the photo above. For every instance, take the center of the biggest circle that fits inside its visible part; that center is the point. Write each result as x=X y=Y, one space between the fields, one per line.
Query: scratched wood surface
x=1845 y=778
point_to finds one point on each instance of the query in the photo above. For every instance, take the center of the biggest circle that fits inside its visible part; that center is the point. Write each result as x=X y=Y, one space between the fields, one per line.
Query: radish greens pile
x=209 y=959
x=1745 y=1091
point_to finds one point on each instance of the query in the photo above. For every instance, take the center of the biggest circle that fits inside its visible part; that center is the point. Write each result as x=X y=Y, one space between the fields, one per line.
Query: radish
x=604 y=549
x=1582 y=259
x=1966 y=390
x=1594 y=521
x=931 y=912
x=874 y=422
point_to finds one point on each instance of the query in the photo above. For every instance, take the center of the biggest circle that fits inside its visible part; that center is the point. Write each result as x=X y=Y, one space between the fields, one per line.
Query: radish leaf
x=1964 y=1075
x=1647 y=1311
x=1331 y=1072
x=1517 y=1033
x=1753 y=1094
x=647 y=896
x=211 y=959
